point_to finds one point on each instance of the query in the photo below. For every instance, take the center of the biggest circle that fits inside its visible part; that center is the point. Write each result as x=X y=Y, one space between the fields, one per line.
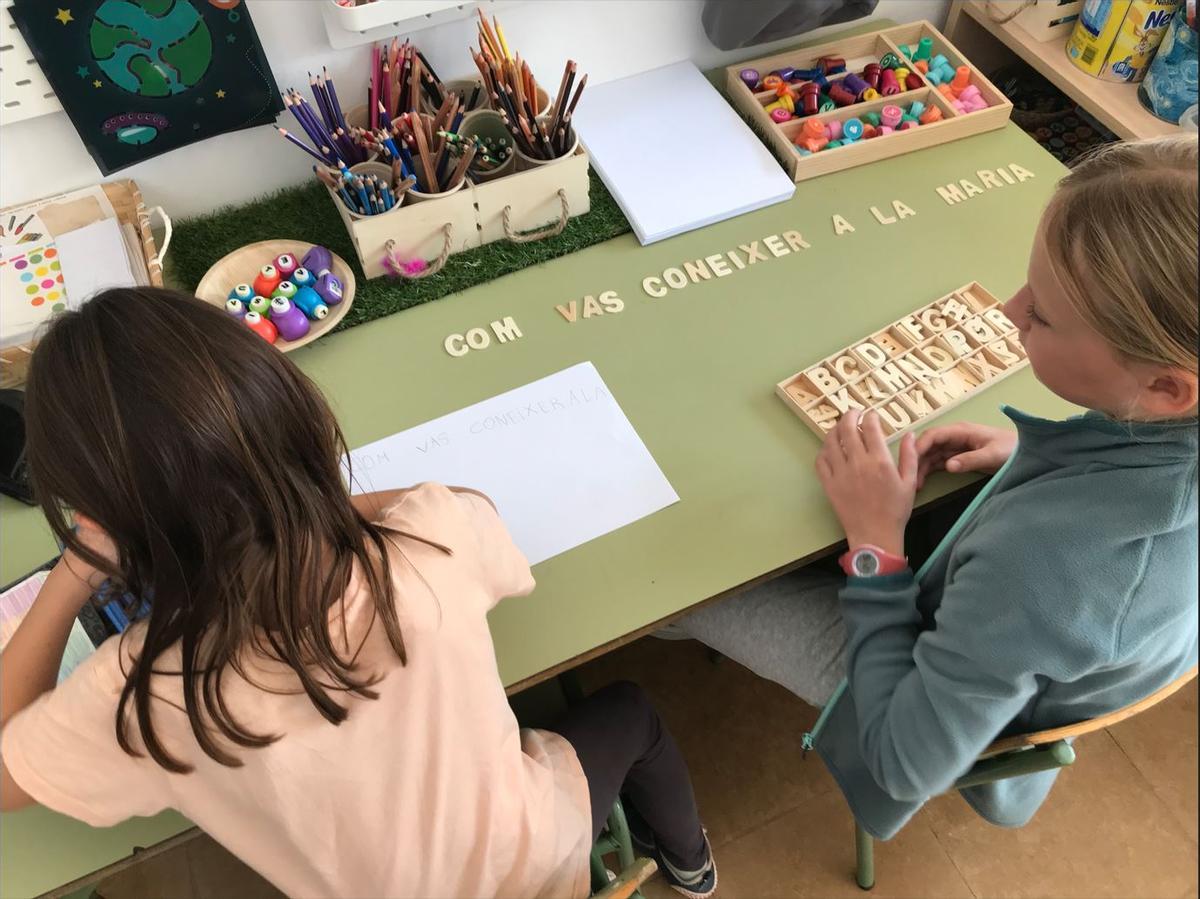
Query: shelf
x=1115 y=105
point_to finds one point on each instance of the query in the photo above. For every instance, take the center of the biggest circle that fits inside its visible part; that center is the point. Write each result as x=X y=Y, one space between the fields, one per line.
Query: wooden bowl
x=242 y=265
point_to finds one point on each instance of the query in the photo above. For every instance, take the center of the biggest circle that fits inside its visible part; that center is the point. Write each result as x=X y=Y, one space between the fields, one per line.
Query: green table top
x=694 y=371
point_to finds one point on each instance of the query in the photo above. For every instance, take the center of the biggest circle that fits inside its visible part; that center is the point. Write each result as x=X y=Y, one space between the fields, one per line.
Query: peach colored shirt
x=431 y=790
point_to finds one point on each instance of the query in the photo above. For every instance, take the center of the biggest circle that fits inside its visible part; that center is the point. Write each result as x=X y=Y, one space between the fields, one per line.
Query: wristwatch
x=871 y=561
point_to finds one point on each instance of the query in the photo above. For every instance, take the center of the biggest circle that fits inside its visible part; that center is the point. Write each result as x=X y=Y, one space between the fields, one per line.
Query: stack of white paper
x=675 y=155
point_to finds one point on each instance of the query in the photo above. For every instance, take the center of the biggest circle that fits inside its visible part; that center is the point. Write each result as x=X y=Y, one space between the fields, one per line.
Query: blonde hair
x=1121 y=233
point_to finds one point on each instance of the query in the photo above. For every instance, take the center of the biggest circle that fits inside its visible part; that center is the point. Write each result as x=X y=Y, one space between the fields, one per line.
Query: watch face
x=866 y=564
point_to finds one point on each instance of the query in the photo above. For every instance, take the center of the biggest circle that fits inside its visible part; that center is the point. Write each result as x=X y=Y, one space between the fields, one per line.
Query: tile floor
x=1121 y=822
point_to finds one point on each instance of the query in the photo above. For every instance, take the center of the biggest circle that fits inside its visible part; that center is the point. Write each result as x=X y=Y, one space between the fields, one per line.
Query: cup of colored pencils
x=427 y=148
x=494 y=156
x=331 y=139
x=401 y=80
x=539 y=135
x=365 y=189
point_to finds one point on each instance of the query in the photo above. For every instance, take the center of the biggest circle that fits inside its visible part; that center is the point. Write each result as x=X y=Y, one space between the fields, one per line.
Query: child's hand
x=963 y=447
x=871 y=495
x=92 y=536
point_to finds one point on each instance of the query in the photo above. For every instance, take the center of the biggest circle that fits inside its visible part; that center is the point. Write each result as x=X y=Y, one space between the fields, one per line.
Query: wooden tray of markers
x=915 y=368
x=857 y=52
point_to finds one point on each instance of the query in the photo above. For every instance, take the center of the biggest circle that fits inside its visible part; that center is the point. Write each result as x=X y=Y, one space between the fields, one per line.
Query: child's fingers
x=909 y=460
x=975 y=460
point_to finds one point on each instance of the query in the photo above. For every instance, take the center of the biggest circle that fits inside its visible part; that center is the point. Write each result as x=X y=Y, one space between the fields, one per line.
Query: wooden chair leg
x=864 y=851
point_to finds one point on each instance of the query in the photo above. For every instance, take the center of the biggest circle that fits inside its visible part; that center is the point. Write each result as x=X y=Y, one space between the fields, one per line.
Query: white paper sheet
x=666 y=183
x=558 y=457
x=93 y=258
x=17 y=601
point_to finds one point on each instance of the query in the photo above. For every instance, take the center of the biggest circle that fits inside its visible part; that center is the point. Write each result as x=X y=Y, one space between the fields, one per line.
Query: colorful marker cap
x=749 y=77
x=891 y=115
x=852 y=129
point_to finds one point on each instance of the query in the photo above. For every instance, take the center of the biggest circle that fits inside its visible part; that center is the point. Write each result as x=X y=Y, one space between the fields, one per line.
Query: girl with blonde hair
x=1068 y=587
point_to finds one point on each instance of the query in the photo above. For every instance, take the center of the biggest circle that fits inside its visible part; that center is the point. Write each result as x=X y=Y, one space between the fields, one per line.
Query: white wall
x=608 y=38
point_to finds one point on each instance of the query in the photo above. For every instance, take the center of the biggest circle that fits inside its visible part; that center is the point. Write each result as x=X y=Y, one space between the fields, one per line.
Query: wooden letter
x=753 y=253
x=697 y=271
x=902 y=211
x=1022 y=173
x=894 y=414
x=611 y=302
x=999 y=320
x=654 y=286
x=956 y=342
x=918 y=402
x=846 y=368
x=981 y=367
x=970 y=187
x=870 y=388
x=979 y=330
x=889 y=344
x=950 y=385
x=1001 y=352
x=881 y=218
x=795 y=241
x=735 y=259
x=569 y=311
x=823 y=412
x=908 y=327
x=913 y=366
x=951 y=194
x=955 y=310
x=932 y=320
x=506 y=329
x=891 y=377
x=478 y=339
x=936 y=356
x=776 y=246
x=845 y=400
x=824 y=381
x=841 y=226
x=455 y=345
x=719 y=266
x=872 y=355
x=675 y=278
x=988 y=178
x=591 y=307
x=1003 y=172
x=802 y=397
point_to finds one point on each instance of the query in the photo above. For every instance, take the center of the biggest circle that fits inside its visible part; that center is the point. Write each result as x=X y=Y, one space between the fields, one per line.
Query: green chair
x=1017 y=756
x=615 y=839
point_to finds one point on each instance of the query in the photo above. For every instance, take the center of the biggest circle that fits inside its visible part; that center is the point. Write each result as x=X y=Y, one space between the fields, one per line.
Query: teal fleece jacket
x=1067 y=590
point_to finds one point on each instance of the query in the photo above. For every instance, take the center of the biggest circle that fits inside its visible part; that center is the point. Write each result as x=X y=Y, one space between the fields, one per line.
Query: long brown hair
x=214 y=465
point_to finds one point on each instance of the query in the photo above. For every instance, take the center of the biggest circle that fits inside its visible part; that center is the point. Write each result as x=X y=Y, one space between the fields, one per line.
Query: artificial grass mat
x=306 y=213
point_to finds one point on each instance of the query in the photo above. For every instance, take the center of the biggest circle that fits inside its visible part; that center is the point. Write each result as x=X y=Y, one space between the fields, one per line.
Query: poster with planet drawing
x=143 y=77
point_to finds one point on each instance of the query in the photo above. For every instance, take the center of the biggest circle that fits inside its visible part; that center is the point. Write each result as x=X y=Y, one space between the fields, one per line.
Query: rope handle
x=549 y=231
x=397 y=266
x=1005 y=18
